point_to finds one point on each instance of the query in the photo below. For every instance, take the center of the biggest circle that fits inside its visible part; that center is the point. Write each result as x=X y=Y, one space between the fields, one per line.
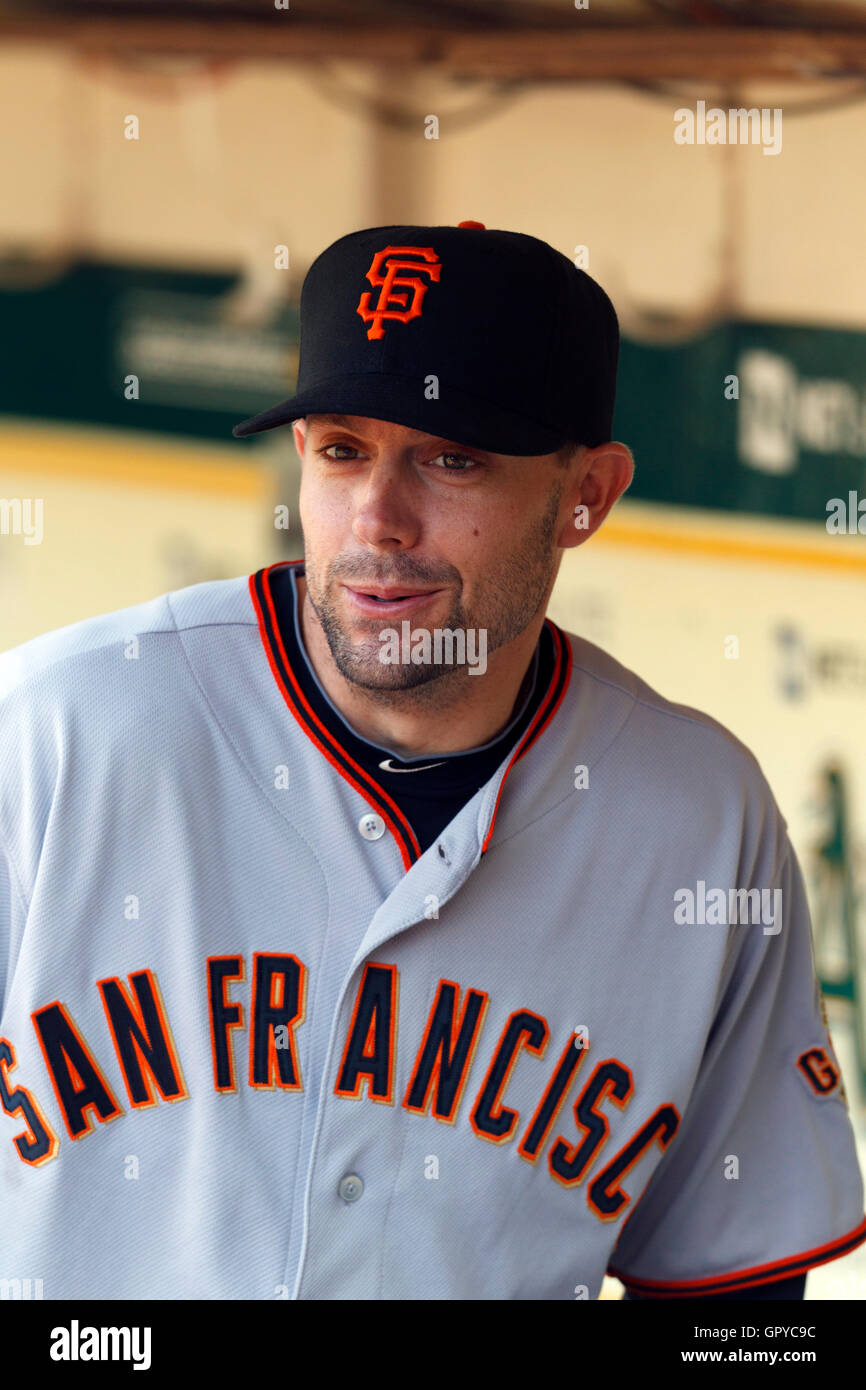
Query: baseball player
x=364 y=935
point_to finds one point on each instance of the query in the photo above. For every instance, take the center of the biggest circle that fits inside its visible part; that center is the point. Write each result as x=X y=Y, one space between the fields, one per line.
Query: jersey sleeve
x=779 y=1290
x=13 y=915
x=761 y=1181
x=5 y=923
x=27 y=771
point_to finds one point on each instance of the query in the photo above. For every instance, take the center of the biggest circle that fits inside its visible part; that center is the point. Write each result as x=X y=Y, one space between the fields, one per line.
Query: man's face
x=401 y=526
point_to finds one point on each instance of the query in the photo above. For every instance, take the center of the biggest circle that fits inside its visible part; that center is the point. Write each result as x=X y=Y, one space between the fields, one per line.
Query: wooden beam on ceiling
x=701 y=53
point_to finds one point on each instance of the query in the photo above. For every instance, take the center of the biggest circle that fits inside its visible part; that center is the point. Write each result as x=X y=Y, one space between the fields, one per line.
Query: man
x=369 y=887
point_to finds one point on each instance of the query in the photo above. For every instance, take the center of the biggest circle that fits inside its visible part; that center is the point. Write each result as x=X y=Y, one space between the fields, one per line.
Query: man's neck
x=455 y=712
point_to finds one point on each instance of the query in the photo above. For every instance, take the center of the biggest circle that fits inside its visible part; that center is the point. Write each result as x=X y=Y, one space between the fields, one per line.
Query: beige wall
x=225 y=169
x=122 y=519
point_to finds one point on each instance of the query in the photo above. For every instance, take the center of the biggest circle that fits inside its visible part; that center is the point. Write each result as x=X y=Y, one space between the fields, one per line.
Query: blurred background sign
x=749 y=417
x=78 y=340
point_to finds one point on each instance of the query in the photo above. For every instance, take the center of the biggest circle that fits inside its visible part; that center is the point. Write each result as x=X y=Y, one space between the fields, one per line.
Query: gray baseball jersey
x=254 y=1045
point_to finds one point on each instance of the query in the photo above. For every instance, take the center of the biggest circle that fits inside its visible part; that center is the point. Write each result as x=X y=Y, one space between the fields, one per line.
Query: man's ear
x=602 y=476
x=299 y=430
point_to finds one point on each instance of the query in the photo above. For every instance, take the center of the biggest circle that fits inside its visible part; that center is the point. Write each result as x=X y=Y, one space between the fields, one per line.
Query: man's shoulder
x=642 y=724
x=74 y=654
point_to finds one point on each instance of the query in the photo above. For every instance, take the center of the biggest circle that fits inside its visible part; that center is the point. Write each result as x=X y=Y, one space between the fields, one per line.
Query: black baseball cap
x=491 y=339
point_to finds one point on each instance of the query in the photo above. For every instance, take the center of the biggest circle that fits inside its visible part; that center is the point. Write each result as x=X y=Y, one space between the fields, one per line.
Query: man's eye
x=464 y=462
x=326 y=451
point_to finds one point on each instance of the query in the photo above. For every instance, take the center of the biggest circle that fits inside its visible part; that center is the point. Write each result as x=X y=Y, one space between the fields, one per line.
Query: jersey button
x=371 y=827
x=350 y=1187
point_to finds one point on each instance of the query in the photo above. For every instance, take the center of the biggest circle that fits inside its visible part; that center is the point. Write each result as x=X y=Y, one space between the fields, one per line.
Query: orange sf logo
x=393 y=287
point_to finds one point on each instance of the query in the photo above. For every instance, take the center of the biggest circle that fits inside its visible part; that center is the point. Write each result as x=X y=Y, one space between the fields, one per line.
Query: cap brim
x=281 y=414
x=457 y=417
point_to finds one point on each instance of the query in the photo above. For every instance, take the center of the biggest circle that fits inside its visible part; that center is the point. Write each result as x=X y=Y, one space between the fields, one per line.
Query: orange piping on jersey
x=543 y=714
x=371 y=781
x=746 y=1278
x=401 y=836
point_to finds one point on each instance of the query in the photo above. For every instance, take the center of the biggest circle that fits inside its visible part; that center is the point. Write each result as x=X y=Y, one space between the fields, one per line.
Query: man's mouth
x=387 y=599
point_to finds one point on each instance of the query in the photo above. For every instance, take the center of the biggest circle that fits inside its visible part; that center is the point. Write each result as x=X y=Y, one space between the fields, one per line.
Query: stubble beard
x=508 y=602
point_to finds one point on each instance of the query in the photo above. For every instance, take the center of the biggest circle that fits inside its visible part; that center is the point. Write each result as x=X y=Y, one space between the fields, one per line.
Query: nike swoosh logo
x=386 y=767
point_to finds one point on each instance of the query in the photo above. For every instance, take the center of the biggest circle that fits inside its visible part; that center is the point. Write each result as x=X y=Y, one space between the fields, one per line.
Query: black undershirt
x=430 y=797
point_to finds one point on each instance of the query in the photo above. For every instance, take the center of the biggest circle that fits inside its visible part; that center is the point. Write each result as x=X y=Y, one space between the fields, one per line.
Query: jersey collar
x=328 y=743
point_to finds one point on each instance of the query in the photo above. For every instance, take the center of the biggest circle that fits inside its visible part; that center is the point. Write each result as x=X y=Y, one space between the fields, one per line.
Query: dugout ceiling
x=546 y=40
